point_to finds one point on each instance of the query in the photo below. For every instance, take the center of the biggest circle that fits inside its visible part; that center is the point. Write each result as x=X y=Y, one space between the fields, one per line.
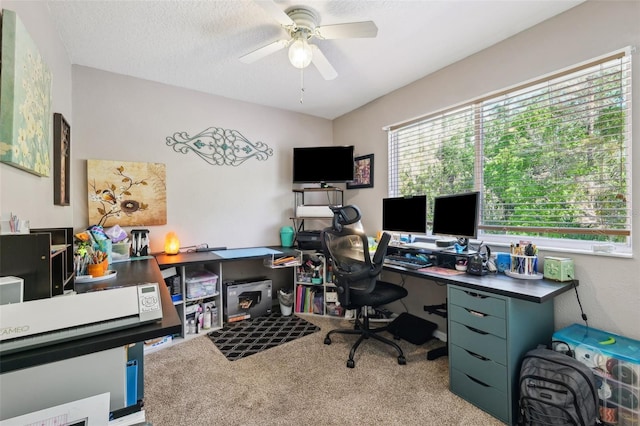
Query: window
x=550 y=157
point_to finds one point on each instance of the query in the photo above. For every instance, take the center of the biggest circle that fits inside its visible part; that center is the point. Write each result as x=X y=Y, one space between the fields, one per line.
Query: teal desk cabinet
x=487 y=336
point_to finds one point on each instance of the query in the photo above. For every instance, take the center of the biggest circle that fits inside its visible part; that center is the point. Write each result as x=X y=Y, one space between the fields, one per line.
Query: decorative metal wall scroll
x=219 y=147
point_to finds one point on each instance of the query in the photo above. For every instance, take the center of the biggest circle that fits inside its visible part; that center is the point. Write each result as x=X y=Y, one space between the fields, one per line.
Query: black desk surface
x=182 y=259
x=129 y=273
x=538 y=291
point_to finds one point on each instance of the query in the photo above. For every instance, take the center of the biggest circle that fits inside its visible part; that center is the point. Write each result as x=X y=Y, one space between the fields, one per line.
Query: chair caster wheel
x=402 y=360
x=327 y=341
x=351 y=363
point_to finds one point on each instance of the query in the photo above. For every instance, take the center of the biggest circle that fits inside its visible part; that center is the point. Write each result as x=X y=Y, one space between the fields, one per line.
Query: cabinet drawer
x=485 y=397
x=477 y=301
x=481 y=343
x=479 y=320
x=483 y=369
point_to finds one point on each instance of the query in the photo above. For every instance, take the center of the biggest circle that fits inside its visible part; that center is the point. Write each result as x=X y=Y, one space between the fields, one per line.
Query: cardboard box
x=247 y=299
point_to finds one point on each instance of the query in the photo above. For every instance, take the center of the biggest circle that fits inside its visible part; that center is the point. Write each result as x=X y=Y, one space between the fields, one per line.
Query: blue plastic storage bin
x=615 y=361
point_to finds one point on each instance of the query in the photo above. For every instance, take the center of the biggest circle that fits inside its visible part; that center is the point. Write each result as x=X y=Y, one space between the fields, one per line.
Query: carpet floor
x=303 y=382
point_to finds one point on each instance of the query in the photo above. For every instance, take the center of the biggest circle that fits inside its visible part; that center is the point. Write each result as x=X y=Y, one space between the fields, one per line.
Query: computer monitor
x=456 y=216
x=323 y=164
x=405 y=214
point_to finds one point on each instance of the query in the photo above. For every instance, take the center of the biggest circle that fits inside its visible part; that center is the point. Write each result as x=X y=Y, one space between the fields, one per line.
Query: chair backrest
x=348 y=250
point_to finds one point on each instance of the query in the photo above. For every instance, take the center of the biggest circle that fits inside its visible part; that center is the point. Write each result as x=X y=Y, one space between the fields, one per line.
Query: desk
x=492 y=320
x=214 y=261
x=70 y=370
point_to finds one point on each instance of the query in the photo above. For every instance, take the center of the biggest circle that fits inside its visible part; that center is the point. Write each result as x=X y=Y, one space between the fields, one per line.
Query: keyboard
x=407 y=262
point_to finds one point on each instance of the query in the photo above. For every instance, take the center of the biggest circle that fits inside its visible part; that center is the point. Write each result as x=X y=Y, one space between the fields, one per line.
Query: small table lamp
x=171 y=243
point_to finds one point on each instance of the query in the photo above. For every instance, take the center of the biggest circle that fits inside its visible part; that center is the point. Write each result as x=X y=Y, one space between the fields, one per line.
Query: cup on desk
x=503 y=262
x=95 y=269
x=524 y=265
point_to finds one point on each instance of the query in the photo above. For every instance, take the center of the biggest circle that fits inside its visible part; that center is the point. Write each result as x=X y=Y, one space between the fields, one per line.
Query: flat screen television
x=456 y=216
x=405 y=214
x=323 y=164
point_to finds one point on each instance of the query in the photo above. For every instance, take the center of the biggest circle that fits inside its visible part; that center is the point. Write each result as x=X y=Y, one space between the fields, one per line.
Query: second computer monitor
x=405 y=215
x=456 y=215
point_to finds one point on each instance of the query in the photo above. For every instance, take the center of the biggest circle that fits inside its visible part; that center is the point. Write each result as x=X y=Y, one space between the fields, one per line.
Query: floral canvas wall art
x=126 y=193
x=25 y=100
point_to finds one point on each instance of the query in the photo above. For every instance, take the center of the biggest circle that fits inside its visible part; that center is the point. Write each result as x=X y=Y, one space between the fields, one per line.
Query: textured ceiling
x=196 y=44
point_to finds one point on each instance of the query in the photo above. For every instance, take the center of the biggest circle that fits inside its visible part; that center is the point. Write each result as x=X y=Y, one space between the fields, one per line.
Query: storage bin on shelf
x=615 y=361
x=201 y=284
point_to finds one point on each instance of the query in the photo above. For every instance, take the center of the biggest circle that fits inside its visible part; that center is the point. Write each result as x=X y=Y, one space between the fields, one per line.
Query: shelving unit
x=62 y=270
x=313 y=286
x=187 y=307
x=315 y=197
x=179 y=268
x=42 y=258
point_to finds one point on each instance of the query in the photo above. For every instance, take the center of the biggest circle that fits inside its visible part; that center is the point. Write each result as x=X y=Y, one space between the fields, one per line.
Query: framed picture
x=126 y=193
x=61 y=160
x=25 y=100
x=363 y=173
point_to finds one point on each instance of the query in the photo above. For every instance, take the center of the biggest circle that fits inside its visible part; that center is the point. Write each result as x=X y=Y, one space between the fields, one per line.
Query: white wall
x=609 y=287
x=128 y=119
x=27 y=195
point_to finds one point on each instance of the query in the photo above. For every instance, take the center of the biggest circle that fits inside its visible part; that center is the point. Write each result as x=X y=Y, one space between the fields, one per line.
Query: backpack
x=556 y=389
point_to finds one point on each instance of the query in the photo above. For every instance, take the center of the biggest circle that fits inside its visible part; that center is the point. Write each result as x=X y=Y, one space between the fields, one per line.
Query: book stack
x=309 y=300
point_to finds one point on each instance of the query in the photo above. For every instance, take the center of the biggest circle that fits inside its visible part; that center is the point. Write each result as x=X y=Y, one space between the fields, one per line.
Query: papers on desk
x=442 y=271
x=246 y=252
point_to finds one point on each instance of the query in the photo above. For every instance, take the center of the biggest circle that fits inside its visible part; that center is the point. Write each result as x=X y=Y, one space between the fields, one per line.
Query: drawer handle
x=475 y=330
x=475 y=355
x=476 y=313
x=473 y=294
x=477 y=381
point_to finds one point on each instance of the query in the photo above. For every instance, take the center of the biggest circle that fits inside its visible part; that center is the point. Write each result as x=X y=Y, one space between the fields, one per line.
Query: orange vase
x=95 y=269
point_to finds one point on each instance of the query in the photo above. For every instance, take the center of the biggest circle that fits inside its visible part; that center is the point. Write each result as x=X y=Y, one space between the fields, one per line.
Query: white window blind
x=551 y=157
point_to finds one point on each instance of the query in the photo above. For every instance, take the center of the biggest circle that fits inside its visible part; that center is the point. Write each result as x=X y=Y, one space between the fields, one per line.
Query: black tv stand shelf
x=316 y=196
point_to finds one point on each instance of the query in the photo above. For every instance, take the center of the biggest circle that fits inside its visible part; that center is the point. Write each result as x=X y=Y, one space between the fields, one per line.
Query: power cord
x=582 y=314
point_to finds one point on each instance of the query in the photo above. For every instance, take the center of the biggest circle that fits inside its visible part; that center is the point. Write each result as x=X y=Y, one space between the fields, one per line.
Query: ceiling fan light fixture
x=300 y=53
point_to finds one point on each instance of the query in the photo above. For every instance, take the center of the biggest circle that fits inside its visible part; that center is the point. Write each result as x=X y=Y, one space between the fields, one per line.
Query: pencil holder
x=524 y=265
x=95 y=269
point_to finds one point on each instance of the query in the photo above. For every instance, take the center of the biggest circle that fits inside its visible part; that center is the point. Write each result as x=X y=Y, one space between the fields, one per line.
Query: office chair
x=356 y=277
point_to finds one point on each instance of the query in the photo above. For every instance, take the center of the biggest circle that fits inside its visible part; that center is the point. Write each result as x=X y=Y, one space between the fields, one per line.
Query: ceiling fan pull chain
x=301 y=85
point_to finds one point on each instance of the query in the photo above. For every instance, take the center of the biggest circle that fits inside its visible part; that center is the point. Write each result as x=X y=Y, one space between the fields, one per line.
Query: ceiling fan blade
x=264 y=51
x=322 y=64
x=275 y=12
x=348 y=30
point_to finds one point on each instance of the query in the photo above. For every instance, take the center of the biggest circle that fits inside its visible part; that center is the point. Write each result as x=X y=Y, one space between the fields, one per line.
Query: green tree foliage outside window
x=551 y=158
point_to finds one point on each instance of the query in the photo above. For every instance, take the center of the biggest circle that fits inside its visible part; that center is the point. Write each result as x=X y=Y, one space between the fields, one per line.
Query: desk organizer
x=524 y=267
x=615 y=361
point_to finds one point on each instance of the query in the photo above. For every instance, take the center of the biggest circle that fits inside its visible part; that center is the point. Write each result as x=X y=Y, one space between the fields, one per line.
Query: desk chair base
x=362 y=329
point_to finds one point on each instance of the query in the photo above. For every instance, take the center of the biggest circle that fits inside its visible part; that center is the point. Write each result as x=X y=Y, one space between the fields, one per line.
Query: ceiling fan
x=301 y=23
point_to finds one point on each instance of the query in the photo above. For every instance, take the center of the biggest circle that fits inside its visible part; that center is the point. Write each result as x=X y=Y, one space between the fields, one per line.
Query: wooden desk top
x=537 y=291
x=129 y=273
